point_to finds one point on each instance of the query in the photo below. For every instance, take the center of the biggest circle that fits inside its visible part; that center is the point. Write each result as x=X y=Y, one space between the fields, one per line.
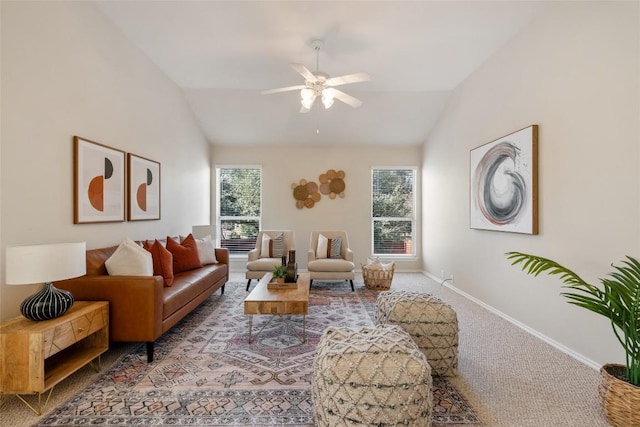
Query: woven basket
x=375 y=278
x=620 y=399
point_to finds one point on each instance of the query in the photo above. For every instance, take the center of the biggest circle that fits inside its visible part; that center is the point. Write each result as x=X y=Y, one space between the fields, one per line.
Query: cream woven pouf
x=432 y=324
x=371 y=376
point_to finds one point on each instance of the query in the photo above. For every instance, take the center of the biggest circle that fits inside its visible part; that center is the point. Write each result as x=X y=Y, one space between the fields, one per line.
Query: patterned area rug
x=206 y=373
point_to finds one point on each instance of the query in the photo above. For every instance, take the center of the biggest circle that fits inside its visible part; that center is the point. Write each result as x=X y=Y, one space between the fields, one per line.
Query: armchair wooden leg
x=352 y=288
x=248 y=283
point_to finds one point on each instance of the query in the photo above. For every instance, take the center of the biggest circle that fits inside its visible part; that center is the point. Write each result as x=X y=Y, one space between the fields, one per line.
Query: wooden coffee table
x=278 y=302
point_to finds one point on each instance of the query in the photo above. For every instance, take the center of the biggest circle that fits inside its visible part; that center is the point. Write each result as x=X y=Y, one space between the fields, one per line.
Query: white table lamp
x=45 y=264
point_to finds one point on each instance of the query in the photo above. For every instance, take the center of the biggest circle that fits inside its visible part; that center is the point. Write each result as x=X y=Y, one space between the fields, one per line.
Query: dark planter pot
x=620 y=399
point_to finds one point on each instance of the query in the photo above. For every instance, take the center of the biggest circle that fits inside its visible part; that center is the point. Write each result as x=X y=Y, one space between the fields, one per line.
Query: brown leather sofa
x=141 y=308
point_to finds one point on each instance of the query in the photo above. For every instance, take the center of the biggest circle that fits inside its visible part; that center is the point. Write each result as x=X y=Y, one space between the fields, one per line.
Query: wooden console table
x=35 y=356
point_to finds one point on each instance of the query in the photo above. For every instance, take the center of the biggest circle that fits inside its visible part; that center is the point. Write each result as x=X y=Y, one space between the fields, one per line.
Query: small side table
x=35 y=356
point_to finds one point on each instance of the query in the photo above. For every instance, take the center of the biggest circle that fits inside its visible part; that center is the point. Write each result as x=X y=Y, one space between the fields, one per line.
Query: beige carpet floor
x=510 y=377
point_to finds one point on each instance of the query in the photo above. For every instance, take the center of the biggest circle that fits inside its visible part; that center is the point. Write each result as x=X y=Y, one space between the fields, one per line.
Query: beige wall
x=575 y=72
x=66 y=71
x=283 y=166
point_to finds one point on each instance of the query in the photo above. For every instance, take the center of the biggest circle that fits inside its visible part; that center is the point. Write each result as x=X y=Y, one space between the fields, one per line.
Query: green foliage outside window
x=240 y=205
x=392 y=210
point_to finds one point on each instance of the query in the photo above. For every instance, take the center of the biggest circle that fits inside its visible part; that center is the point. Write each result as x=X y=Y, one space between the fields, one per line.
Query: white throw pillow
x=264 y=248
x=130 y=259
x=206 y=251
x=321 y=250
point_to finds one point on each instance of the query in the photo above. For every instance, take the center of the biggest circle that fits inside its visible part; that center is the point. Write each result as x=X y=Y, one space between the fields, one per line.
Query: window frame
x=219 y=218
x=414 y=213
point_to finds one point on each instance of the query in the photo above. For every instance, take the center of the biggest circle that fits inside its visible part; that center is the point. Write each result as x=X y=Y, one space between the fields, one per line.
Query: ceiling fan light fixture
x=308 y=97
x=306 y=94
x=327 y=98
x=307 y=103
x=320 y=85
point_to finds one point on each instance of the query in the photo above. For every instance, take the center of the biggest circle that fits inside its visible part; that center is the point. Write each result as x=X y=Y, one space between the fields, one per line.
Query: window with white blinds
x=393 y=206
x=239 y=207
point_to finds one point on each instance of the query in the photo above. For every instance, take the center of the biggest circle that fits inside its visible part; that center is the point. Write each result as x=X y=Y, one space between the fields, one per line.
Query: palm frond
x=619 y=300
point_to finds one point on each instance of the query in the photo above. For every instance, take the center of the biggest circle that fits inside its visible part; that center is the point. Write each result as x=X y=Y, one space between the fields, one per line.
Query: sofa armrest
x=222 y=255
x=135 y=303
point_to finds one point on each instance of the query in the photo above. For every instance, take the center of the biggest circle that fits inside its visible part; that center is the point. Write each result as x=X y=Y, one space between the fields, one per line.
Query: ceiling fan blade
x=349 y=78
x=282 y=89
x=304 y=72
x=347 y=99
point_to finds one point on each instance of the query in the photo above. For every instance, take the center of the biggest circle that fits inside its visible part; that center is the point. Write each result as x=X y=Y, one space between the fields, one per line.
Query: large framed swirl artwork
x=504 y=183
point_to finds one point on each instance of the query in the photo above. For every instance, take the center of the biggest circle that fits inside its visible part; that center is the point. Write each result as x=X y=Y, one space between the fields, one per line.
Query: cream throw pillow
x=130 y=259
x=264 y=248
x=321 y=250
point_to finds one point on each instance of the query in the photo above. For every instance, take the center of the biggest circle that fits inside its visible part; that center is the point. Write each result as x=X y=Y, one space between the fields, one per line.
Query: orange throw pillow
x=185 y=254
x=162 y=261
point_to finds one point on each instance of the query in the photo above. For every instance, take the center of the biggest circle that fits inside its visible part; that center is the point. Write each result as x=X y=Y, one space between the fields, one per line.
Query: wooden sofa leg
x=149 y=351
x=248 y=283
x=352 y=288
x=222 y=290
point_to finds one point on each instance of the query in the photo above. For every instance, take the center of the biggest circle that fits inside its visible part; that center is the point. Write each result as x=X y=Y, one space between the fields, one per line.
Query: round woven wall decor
x=308 y=193
x=300 y=192
x=332 y=183
x=305 y=193
x=337 y=185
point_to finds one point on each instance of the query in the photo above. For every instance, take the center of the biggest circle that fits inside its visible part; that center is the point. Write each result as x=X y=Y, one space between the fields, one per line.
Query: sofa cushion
x=96 y=259
x=130 y=259
x=185 y=254
x=188 y=285
x=263 y=264
x=334 y=265
x=162 y=261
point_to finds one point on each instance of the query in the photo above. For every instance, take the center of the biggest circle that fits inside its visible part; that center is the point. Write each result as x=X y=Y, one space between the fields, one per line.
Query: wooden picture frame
x=143 y=177
x=98 y=177
x=504 y=183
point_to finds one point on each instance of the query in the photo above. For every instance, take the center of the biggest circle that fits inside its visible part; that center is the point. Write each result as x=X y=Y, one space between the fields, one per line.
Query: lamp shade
x=200 y=231
x=44 y=263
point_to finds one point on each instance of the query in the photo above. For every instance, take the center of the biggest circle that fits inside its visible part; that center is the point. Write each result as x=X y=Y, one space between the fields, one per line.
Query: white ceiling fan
x=319 y=85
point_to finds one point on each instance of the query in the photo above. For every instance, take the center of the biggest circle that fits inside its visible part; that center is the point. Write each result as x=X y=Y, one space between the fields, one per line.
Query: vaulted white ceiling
x=222 y=54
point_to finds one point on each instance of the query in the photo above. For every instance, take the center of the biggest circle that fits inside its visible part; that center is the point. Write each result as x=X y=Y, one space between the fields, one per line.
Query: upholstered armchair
x=329 y=257
x=271 y=246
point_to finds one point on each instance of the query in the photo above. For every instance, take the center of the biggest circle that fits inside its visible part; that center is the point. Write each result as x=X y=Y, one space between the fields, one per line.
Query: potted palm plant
x=279 y=273
x=618 y=300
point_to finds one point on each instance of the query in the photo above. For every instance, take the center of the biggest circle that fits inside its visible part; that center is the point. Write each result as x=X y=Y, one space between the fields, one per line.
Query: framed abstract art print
x=98 y=175
x=504 y=183
x=144 y=188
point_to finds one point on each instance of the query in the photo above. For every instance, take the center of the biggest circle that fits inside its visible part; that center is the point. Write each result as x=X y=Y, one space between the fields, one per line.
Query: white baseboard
x=517 y=323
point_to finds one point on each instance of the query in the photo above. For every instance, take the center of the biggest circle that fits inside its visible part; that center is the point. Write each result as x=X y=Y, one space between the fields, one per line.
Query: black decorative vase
x=292 y=268
x=49 y=303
